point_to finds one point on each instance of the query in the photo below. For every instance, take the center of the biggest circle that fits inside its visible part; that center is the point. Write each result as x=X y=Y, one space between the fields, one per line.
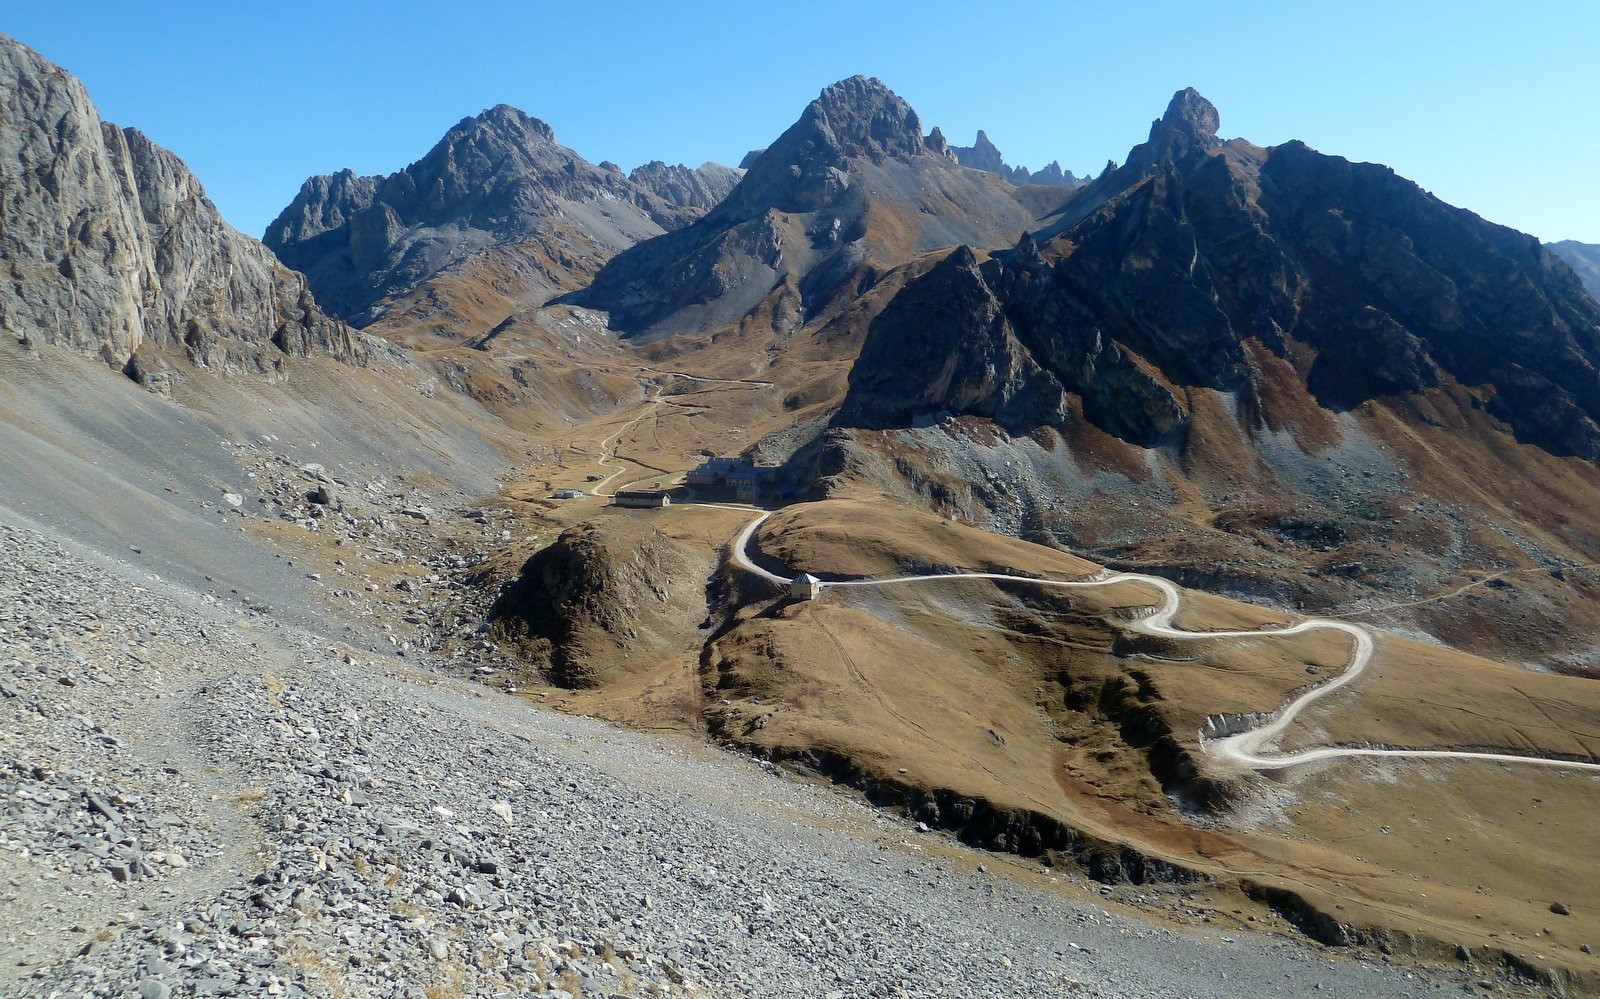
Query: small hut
x=641 y=498
x=805 y=587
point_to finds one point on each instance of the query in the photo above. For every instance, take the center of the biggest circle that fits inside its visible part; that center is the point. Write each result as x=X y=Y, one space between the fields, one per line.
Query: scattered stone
x=150 y=988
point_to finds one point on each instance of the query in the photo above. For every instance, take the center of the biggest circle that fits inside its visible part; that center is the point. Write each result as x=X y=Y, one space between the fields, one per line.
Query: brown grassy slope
x=1030 y=702
x=1376 y=510
x=607 y=599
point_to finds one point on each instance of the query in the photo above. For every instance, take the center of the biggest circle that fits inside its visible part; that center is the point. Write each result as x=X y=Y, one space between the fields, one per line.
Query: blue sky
x=1492 y=106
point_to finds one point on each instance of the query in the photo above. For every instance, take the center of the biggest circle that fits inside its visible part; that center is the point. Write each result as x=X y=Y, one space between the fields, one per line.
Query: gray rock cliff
x=698 y=189
x=108 y=243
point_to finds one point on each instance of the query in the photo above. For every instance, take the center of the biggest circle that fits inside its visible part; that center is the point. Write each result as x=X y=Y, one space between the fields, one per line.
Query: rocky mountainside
x=984 y=155
x=1270 y=372
x=851 y=189
x=1214 y=254
x=108 y=244
x=496 y=186
x=700 y=188
x=1584 y=259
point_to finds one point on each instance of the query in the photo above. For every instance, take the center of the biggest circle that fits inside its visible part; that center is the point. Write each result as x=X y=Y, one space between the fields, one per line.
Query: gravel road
x=201 y=800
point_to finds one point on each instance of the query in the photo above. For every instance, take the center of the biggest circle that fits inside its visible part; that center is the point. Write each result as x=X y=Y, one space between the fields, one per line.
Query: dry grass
x=1009 y=695
x=317 y=967
x=1006 y=693
x=571 y=984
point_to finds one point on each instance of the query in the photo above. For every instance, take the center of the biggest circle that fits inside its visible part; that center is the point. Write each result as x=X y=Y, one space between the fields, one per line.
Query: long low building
x=748 y=480
x=642 y=498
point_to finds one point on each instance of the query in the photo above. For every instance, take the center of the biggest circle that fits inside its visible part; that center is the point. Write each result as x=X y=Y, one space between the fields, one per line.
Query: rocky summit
x=1208 y=251
x=851 y=188
x=499 y=179
x=701 y=188
x=110 y=246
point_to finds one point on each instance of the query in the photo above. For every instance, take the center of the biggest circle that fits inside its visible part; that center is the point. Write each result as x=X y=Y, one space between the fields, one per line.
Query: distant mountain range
x=1584 y=259
x=984 y=155
x=853 y=188
x=1213 y=330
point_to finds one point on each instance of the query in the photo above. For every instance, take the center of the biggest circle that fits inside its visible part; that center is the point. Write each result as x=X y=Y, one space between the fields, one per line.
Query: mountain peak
x=507 y=121
x=1189 y=112
x=858 y=118
x=863 y=117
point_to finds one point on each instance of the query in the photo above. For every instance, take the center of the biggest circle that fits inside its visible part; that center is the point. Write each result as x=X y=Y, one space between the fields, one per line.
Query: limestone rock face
x=1365 y=286
x=849 y=190
x=699 y=189
x=496 y=180
x=108 y=243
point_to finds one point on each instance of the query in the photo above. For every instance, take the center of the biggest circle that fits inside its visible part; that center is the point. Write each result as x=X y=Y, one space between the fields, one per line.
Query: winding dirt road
x=1255 y=747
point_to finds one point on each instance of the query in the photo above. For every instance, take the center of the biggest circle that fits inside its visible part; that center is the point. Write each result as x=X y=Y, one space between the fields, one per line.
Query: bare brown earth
x=1027 y=720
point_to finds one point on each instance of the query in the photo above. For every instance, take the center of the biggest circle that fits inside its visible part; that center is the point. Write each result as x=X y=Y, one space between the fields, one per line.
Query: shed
x=642 y=498
x=805 y=587
x=566 y=494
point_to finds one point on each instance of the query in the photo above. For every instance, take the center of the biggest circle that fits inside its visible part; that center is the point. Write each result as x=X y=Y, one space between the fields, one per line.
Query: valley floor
x=201 y=800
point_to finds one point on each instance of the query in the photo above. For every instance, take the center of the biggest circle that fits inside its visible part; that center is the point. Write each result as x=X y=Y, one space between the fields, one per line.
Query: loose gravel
x=200 y=800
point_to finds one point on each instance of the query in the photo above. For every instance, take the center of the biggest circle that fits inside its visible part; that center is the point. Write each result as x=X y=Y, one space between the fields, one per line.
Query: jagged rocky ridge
x=499 y=179
x=1160 y=275
x=109 y=246
x=853 y=185
x=699 y=189
x=985 y=155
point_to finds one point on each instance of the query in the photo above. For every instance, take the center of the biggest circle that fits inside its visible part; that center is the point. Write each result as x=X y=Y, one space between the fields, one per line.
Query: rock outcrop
x=600 y=601
x=108 y=244
x=851 y=189
x=983 y=154
x=699 y=189
x=497 y=181
x=1364 y=285
x=1584 y=259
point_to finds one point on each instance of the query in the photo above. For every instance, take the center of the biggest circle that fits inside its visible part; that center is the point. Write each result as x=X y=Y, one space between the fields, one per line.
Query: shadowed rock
x=1157 y=276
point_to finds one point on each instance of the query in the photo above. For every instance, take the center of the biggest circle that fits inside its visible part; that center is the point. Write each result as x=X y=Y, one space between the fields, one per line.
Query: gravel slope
x=198 y=800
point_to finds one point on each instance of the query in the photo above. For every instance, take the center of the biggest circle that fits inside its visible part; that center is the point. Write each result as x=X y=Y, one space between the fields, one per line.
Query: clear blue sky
x=1492 y=106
